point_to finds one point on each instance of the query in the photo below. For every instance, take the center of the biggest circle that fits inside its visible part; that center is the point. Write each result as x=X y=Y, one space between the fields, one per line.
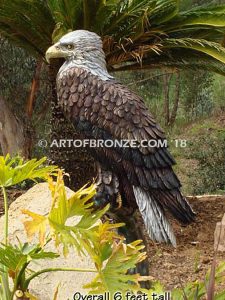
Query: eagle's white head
x=80 y=48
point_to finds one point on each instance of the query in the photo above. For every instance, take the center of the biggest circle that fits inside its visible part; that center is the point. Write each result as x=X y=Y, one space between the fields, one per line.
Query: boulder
x=38 y=200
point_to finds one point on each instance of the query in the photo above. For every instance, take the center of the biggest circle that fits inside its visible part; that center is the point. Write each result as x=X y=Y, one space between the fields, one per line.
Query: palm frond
x=175 y=59
x=133 y=31
x=215 y=8
x=211 y=17
x=127 y=16
x=210 y=33
x=66 y=12
x=29 y=21
x=164 y=11
x=210 y=48
x=104 y=13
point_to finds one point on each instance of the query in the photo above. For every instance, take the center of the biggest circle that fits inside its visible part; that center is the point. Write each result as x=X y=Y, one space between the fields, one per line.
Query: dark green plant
x=197 y=94
x=146 y=33
x=210 y=173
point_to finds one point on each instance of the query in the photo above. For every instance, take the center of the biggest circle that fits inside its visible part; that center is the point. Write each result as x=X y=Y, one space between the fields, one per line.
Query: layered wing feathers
x=109 y=110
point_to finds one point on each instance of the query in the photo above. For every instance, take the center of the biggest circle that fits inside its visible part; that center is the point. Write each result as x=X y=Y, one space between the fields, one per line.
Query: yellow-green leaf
x=38 y=225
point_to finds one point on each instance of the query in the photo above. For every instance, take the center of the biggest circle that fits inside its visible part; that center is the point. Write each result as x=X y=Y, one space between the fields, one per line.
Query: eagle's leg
x=107 y=189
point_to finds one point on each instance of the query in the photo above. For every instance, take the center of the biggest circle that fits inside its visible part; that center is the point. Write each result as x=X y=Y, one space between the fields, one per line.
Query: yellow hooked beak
x=55 y=52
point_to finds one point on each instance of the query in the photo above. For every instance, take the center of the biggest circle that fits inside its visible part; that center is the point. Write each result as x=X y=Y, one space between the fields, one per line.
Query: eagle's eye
x=69 y=47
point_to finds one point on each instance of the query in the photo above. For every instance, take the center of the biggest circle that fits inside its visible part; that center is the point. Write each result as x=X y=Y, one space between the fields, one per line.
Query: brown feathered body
x=107 y=110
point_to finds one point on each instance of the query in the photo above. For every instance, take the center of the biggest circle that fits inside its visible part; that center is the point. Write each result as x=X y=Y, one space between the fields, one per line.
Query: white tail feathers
x=157 y=225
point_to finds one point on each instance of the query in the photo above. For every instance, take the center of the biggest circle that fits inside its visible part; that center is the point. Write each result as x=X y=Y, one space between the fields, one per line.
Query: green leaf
x=196 y=290
x=104 y=13
x=58 y=32
x=210 y=16
x=220 y=296
x=16 y=170
x=186 y=60
x=27 y=21
x=112 y=258
x=14 y=258
x=164 y=11
x=37 y=224
x=66 y=12
x=131 y=29
x=125 y=17
x=63 y=209
x=113 y=276
x=210 y=48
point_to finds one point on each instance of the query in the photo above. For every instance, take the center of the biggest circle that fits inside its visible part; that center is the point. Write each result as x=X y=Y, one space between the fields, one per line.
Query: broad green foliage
x=117 y=259
x=16 y=170
x=112 y=257
x=142 y=32
x=62 y=210
x=16 y=258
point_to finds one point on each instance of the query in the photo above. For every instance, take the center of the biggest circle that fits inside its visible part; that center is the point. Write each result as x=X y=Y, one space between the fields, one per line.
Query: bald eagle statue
x=102 y=109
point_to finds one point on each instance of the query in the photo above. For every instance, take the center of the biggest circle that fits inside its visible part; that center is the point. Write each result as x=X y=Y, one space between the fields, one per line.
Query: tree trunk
x=176 y=101
x=77 y=162
x=34 y=88
x=14 y=134
x=166 y=80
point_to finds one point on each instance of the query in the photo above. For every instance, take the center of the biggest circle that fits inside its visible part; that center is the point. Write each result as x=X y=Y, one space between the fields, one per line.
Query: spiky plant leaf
x=102 y=238
x=99 y=240
x=15 y=170
x=14 y=258
x=132 y=30
x=61 y=212
x=66 y=12
x=181 y=60
x=63 y=209
x=27 y=21
x=209 y=16
x=113 y=276
x=210 y=48
x=164 y=11
x=104 y=13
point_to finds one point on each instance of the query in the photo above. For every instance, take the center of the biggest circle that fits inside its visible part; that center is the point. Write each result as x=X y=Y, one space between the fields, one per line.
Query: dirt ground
x=13 y=194
x=194 y=253
x=195 y=246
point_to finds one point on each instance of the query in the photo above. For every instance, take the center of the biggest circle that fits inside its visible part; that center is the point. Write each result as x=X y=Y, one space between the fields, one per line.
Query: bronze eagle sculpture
x=103 y=109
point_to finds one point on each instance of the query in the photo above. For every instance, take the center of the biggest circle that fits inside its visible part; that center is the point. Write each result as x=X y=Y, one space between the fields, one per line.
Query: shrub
x=209 y=176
